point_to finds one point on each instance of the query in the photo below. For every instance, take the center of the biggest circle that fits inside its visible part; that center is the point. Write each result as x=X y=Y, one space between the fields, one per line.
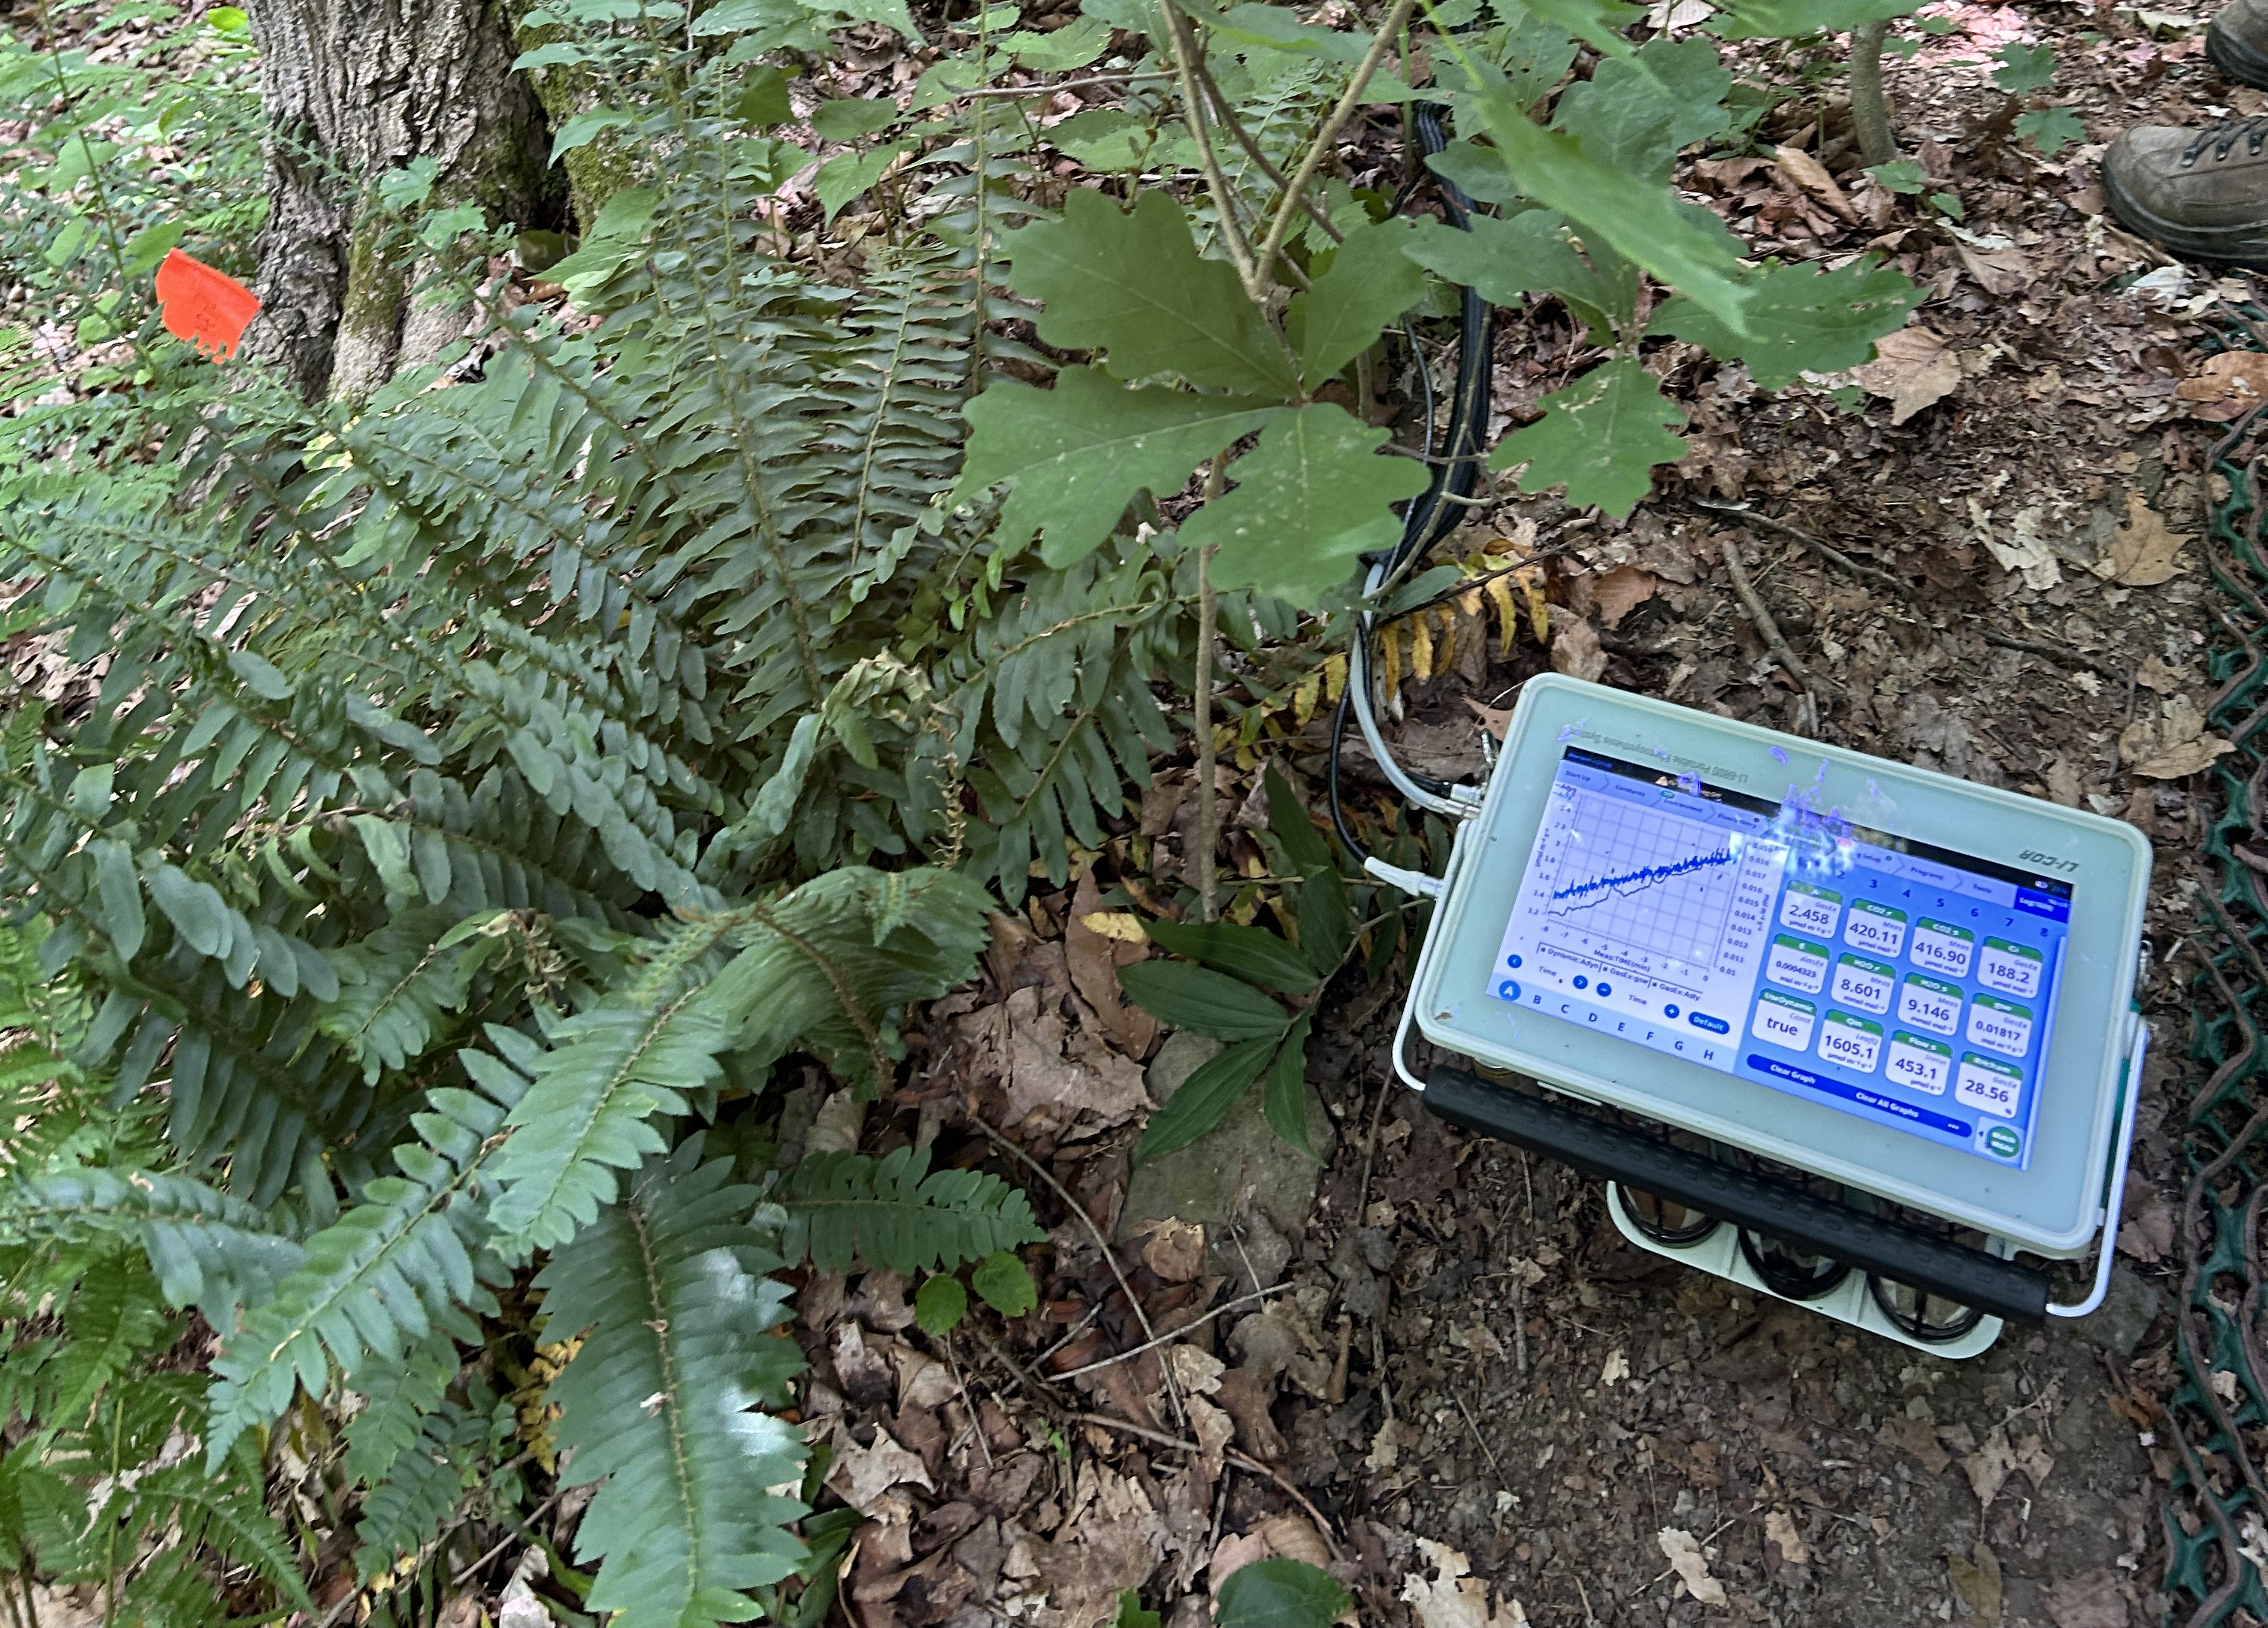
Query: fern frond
x=393 y=1269
x=894 y=1212
x=663 y=1401
x=421 y=1487
x=208 y=1250
x=396 y=1399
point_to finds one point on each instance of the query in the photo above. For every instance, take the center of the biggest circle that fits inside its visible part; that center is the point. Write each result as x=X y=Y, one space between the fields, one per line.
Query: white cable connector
x=1415 y=882
x=1462 y=802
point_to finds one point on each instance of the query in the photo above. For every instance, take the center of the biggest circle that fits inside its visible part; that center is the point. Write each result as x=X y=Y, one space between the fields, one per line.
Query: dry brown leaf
x=1495 y=720
x=1779 y=1526
x=2228 y=383
x=1450 y=1598
x=1918 y=1437
x=1622 y=591
x=1575 y=651
x=1175 y=1250
x=1809 y=173
x=860 y=1475
x=2142 y=552
x=1093 y=958
x=1912 y=368
x=2171 y=746
x=1988 y=1467
x=2091 y=1601
x=1976 y=1580
x=1999 y=271
x=1683 y=1551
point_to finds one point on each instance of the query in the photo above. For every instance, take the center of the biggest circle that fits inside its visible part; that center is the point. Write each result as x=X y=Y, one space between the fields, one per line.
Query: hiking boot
x=2202 y=195
x=2236 y=40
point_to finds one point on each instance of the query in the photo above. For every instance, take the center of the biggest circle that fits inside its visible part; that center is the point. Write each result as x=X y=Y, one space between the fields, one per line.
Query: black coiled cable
x=1433 y=512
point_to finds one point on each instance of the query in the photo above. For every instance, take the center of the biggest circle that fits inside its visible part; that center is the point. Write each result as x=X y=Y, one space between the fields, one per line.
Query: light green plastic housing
x=2051 y=1205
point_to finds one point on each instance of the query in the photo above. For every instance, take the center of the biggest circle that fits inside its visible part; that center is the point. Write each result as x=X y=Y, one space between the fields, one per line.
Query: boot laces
x=2222 y=137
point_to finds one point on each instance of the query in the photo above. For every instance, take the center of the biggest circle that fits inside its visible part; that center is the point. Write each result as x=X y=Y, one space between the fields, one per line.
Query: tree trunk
x=354 y=88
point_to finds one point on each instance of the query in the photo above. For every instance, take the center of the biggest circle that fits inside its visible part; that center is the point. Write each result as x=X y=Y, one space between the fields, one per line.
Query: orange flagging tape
x=208 y=308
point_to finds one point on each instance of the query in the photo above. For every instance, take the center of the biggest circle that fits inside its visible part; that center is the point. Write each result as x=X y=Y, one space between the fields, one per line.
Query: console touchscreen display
x=1908 y=983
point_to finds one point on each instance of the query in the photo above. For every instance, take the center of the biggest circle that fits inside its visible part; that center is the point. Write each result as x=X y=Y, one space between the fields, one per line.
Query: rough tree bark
x=355 y=88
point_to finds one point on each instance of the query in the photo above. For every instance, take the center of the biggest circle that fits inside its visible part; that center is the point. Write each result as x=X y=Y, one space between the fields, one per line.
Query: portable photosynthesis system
x=1878 y=1023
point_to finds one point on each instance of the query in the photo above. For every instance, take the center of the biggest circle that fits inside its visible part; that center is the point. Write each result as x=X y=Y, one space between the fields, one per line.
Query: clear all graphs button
x=1702 y=1019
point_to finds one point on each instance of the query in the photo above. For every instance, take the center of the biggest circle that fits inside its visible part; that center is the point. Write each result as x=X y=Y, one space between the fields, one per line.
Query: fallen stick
x=1812 y=691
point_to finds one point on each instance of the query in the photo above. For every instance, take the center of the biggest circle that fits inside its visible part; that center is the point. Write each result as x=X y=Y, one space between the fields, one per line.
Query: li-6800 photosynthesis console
x=1836 y=987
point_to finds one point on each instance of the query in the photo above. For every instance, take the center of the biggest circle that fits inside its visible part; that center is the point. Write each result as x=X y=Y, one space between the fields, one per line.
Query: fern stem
x=1208 y=807
x=1179 y=36
x=1349 y=100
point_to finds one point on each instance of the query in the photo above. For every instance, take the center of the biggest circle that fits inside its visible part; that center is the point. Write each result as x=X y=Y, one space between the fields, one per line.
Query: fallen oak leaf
x=1683 y=1550
x=2143 y=553
x=1809 y=173
x=1912 y=368
x=2228 y=383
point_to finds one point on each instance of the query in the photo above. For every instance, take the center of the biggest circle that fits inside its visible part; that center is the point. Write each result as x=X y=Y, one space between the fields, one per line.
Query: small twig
x=1349 y=100
x=504 y=1543
x=1109 y=1259
x=1814 y=696
x=1833 y=556
x=1487 y=1451
x=1231 y=1455
x=1032 y=1387
x=1061 y=84
x=1370 y=1152
x=1171 y=1335
x=1728 y=1521
x=975 y=1416
x=1075 y=1330
x=2070 y=658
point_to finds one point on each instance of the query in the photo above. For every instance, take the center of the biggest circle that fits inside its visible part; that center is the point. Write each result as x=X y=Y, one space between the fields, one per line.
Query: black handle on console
x=1758 y=1203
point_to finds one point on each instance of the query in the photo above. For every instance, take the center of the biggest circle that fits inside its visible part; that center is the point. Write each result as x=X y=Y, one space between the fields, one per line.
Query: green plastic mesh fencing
x=2216 y=1511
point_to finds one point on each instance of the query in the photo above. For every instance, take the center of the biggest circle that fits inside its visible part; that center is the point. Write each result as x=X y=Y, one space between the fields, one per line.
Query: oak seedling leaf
x=1683 y=244
x=1634 y=113
x=1132 y=285
x=1802 y=321
x=1309 y=500
x=1506 y=260
x=1368 y=284
x=1601 y=437
x=1078 y=454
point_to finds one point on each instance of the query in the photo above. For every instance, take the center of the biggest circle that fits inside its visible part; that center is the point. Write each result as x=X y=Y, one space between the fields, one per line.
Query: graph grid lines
x=1651 y=882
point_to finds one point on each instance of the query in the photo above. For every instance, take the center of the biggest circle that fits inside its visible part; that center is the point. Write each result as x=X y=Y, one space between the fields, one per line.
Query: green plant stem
x=93 y=169
x=1225 y=115
x=1183 y=41
x=1351 y=98
x=1870 y=103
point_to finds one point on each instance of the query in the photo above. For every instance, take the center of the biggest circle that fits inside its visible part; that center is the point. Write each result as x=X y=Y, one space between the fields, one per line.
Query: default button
x=1715 y=1025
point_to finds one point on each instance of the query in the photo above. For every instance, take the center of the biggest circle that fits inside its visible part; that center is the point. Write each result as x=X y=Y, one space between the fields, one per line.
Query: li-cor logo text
x=2049 y=861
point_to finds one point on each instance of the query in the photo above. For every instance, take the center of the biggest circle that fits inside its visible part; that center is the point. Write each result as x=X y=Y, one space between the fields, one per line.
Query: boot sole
x=2224 y=245
x=2235 y=59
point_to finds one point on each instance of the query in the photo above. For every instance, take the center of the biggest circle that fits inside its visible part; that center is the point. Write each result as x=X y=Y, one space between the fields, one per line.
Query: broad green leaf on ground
x=1204 y=1097
x=1802 y=321
x=1202 y=1001
x=1636 y=113
x=847 y=174
x=1529 y=253
x=1252 y=954
x=1078 y=454
x=1074 y=44
x=1004 y=1284
x=1601 y=437
x=1106 y=140
x=1901 y=175
x=1689 y=248
x=1368 y=284
x=1284 y=1103
x=1280 y=1593
x=1309 y=499
x=2024 y=67
x=1133 y=287
x=1475 y=171
x=764 y=100
x=1795 y=20
x=2050 y=129
x=847 y=118
x=940 y=1306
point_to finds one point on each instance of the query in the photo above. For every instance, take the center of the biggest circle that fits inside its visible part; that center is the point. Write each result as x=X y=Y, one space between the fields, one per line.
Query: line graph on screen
x=1656 y=882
